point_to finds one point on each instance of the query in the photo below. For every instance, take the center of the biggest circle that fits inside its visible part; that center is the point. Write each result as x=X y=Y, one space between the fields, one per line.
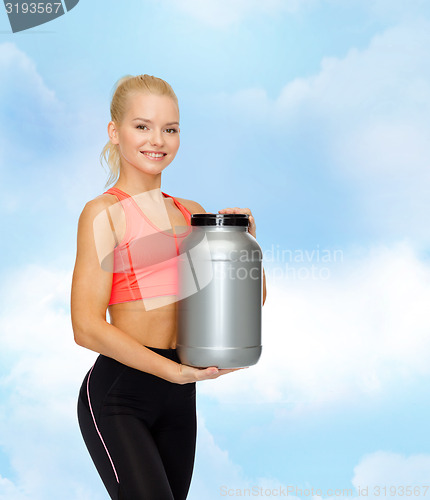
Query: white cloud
x=392 y=10
x=30 y=111
x=15 y=64
x=8 y=491
x=378 y=97
x=213 y=466
x=375 y=470
x=366 y=116
x=384 y=474
x=223 y=13
x=216 y=475
x=42 y=369
x=348 y=337
x=53 y=129
x=393 y=470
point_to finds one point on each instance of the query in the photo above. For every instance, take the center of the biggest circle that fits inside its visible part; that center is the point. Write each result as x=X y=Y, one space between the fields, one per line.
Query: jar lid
x=220 y=220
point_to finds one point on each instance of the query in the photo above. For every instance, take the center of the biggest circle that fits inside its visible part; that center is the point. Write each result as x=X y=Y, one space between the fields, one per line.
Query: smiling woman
x=125 y=107
x=136 y=406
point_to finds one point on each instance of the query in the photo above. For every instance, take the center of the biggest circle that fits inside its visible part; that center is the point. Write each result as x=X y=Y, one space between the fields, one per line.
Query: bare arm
x=90 y=294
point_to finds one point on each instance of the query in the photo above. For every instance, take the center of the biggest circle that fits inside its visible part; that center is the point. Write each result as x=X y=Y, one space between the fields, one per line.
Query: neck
x=134 y=183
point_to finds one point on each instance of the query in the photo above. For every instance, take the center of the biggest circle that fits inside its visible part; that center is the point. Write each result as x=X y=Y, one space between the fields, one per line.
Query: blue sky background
x=314 y=114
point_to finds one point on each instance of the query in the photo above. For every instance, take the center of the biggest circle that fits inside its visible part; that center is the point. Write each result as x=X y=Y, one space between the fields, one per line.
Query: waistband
x=167 y=353
x=159 y=349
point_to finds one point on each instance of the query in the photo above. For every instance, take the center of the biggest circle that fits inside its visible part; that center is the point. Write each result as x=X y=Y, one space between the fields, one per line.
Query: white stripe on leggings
x=95 y=424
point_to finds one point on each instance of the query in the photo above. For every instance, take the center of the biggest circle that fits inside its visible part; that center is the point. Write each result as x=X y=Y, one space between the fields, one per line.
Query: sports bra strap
x=117 y=192
x=111 y=225
x=121 y=195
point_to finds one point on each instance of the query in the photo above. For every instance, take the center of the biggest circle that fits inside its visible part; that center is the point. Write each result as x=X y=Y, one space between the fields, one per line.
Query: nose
x=156 y=137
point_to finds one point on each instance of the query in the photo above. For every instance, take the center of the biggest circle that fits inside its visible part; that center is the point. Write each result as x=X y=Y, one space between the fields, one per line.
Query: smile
x=154 y=156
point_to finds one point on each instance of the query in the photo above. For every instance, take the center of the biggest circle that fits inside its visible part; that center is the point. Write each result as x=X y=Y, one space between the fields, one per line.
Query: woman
x=136 y=406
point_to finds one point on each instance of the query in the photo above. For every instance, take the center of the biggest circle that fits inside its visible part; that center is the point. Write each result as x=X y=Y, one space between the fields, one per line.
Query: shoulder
x=192 y=206
x=96 y=206
x=95 y=238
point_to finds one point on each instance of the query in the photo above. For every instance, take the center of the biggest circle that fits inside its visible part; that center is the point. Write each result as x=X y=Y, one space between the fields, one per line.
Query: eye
x=173 y=130
x=141 y=126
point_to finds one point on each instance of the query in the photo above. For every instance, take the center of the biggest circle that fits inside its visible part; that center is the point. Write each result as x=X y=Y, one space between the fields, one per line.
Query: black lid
x=220 y=220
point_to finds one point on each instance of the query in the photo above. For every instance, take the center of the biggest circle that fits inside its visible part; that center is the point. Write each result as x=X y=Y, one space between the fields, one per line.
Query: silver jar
x=220 y=289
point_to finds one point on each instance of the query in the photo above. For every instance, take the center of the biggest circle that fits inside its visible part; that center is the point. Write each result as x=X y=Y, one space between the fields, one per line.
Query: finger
x=213 y=372
x=236 y=210
x=210 y=371
x=222 y=371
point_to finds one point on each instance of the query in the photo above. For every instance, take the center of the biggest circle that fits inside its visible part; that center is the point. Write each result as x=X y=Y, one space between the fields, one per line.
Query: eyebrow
x=149 y=121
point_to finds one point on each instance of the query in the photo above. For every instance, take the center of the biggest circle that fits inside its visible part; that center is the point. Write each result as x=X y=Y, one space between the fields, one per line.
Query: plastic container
x=220 y=289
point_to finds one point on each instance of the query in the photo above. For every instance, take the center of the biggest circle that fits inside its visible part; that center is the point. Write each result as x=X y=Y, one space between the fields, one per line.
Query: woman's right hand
x=188 y=374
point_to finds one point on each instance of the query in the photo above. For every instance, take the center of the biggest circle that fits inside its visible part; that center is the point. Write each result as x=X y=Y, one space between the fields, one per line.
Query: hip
x=113 y=388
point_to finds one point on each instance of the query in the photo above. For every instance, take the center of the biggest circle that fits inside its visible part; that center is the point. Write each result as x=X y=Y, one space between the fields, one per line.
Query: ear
x=112 y=132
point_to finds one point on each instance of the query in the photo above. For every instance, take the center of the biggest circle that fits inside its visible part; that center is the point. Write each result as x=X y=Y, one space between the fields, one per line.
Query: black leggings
x=140 y=430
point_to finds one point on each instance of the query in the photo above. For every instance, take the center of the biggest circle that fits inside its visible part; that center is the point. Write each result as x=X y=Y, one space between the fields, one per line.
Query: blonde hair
x=123 y=88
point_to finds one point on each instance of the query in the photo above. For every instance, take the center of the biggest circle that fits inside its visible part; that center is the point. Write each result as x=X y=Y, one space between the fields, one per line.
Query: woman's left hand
x=236 y=210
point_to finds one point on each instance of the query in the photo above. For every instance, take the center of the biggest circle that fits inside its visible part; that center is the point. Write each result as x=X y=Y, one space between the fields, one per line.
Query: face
x=148 y=137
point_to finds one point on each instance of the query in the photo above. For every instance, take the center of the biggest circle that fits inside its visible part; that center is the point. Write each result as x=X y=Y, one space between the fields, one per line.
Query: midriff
x=148 y=321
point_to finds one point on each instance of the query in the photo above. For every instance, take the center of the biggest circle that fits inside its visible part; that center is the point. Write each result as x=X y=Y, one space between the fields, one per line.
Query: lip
x=154 y=158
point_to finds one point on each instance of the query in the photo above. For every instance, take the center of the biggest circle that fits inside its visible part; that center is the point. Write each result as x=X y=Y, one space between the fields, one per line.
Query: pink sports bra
x=145 y=261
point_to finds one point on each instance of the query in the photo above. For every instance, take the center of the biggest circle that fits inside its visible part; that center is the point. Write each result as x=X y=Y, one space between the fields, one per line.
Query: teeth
x=154 y=155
